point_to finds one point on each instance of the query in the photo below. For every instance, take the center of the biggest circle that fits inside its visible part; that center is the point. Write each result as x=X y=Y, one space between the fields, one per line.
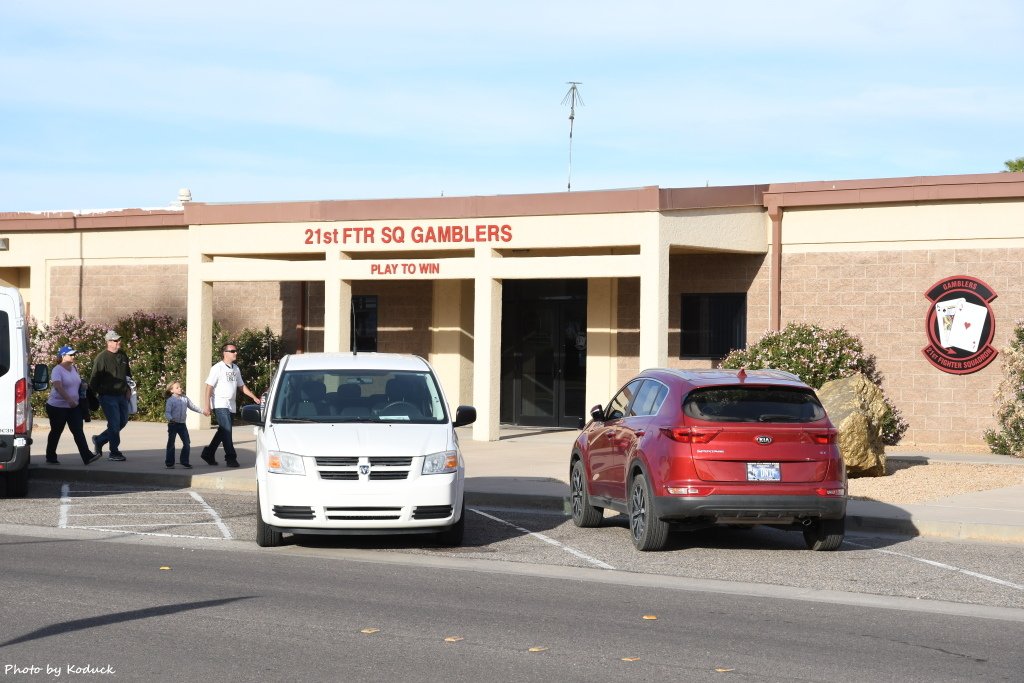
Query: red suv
x=691 y=448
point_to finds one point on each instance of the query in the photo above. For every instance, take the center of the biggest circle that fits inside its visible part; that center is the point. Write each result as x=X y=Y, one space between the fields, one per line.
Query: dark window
x=711 y=325
x=649 y=399
x=617 y=408
x=5 y=346
x=364 y=322
x=753 y=404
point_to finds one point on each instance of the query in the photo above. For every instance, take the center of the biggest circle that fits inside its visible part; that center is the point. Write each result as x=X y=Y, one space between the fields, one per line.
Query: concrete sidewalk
x=527 y=468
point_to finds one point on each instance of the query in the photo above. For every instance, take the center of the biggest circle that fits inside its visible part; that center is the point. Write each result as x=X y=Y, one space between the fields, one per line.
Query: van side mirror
x=40 y=377
x=252 y=414
x=464 y=415
x=597 y=412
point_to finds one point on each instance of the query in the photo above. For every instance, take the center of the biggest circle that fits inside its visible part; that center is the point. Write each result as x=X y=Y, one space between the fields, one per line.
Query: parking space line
x=547 y=539
x=79 y=504
x=942 y=565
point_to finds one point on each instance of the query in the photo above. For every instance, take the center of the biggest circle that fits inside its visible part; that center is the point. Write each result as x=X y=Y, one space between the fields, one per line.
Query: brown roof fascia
x=896 y=190
x=70 y=220
x=712 y=197
x=436 y=208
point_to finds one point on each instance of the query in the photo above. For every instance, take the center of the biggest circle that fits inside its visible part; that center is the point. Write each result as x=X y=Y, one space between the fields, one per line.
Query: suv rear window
x=753 y=404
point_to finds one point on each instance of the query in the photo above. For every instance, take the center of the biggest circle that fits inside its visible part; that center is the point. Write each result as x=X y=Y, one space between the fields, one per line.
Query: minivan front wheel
x=584 y=514
x=453 y=535
x=825 y=534
x=266 y=535
x=647 y=531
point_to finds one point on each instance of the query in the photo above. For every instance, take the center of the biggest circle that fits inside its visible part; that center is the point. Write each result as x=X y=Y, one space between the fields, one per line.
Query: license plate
x=763 y=471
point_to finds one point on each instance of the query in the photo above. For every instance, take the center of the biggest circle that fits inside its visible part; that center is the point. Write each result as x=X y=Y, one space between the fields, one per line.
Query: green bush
x=156 y=346
x=1008 y=439
x=818 y=355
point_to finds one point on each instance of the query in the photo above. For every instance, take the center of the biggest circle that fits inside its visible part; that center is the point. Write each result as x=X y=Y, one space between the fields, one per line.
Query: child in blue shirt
x=175 y=410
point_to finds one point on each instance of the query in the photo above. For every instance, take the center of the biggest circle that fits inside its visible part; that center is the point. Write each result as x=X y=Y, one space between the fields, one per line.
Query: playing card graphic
x=967 y=326
x=945 y=313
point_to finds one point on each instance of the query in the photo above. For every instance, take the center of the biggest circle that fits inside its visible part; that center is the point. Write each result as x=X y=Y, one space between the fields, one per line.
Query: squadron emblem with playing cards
x=960 y=325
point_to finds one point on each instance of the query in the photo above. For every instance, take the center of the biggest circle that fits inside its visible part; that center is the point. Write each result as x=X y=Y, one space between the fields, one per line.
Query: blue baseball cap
x=65 y=350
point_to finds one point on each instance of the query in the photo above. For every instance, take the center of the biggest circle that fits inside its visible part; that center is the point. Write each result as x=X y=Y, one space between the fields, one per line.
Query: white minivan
x=357 y=443
x=16 y=387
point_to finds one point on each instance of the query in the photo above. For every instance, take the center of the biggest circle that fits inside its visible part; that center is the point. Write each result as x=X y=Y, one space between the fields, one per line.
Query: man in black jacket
x=110 y=373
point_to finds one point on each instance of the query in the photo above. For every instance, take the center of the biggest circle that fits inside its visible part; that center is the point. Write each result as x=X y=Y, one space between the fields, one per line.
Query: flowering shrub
x=156 y=346
x=818 y=355
x=1008 y=439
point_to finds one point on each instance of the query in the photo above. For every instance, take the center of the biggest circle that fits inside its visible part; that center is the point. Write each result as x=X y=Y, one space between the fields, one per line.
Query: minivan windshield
x=358 y=396
x=753 y=404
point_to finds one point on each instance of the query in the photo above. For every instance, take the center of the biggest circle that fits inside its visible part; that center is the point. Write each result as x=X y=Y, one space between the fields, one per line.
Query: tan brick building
x=535 y=307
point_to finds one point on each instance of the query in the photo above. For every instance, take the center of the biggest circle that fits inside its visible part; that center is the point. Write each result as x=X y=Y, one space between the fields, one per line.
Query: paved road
x=972 y=573
x=175 y=609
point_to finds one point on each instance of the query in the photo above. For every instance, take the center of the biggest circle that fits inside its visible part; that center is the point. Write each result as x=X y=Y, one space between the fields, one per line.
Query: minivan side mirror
x=40 y=377
x=597 y=412
x=464 y=415
x=252 y=414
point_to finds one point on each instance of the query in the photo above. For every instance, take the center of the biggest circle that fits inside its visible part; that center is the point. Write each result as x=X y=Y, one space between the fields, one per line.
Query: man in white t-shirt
x=223 y=383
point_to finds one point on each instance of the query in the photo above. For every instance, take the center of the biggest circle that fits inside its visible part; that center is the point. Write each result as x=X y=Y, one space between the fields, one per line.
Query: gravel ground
x=919 y=482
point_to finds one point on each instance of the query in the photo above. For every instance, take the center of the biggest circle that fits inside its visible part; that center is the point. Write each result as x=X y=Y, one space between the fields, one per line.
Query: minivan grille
x=382 y=468
x=364 y=513
x=432 y=512
x=293 y=512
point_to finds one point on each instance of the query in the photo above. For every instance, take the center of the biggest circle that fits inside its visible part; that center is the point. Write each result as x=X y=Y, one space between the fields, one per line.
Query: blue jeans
x=176 y=429
x=222 y=436
x=116 y=410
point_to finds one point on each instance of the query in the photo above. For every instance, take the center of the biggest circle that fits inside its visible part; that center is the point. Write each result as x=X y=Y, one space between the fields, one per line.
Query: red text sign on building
x=417 y=234
x=960 y=325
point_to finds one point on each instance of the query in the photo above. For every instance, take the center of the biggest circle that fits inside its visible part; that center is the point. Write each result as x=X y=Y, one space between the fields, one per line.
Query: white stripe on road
x=69 y=501
x=548 y=539
x=942 y=565
x=213 y=513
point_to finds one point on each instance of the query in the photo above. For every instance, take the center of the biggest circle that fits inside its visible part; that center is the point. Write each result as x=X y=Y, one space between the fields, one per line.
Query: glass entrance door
x=544 y=355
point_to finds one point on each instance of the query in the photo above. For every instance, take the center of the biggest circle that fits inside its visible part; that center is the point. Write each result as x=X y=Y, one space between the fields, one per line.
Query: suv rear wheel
x=825 y=534
x=584 y=514
x=648 y=532
x=15 y=484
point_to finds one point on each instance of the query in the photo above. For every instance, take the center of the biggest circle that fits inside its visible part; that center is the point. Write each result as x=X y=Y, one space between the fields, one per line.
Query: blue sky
x=119 y=104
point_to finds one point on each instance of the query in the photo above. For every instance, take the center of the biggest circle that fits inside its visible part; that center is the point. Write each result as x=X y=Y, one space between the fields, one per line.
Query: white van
x=357 y=444
x=16 y=387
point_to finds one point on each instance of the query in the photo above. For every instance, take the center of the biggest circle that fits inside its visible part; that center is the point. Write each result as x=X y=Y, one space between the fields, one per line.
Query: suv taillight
x=690 y=434
x=823 y=438
x=21 y=406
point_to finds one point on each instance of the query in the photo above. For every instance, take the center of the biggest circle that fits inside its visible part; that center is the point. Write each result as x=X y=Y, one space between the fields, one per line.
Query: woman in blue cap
x=62 y=407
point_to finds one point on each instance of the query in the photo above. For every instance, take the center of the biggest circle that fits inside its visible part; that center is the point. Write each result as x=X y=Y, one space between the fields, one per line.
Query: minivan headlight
x=280 y=462
x=441 y=463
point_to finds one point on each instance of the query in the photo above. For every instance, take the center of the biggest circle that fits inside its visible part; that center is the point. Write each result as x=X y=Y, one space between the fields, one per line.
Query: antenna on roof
x=571 y=98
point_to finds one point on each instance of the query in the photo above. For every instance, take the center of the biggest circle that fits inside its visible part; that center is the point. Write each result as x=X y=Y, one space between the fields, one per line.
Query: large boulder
x=856 y=407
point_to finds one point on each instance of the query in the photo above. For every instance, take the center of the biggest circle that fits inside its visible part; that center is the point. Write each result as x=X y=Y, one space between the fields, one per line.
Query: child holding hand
x=175 y=411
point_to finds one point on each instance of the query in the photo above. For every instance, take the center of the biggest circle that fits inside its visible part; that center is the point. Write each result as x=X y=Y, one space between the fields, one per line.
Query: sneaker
x=170 y=467
x=231 y=463
x=186 y=465
x=208 y=459
x=91 y=459
x=52 y=461
x=116 y=457
x=96 y=447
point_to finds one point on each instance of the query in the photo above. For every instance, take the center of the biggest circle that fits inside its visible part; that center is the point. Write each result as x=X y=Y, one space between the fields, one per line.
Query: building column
x=486 y=353
x=654 y=256
x=450 y=342
x=198 y=337
x=602 y=347
x=337 y=306
x=775 y=273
